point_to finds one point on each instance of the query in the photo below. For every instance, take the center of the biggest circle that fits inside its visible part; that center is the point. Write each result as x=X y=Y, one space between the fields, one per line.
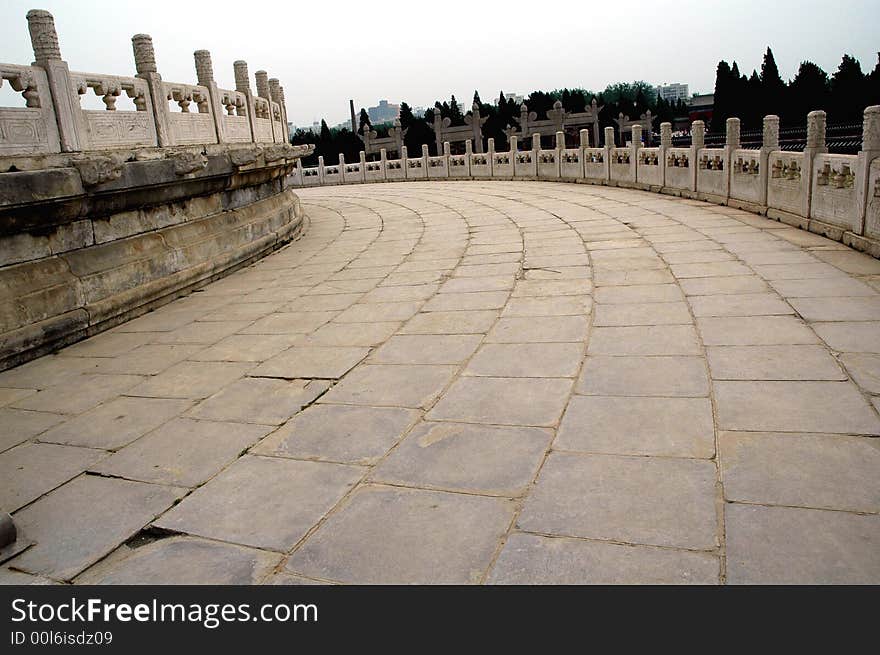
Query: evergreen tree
x=772 y=86
x=806 y=92
x=406 y=115
x=724 y=92
x=849 y=92
x=455 y=115
x=364 y=120
x=325 y=135
x=477 y=101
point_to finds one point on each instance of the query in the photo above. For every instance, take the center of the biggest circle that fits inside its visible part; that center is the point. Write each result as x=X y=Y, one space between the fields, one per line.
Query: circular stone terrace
x=472 y=382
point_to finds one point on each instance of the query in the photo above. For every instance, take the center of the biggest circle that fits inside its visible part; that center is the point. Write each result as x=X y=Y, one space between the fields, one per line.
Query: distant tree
x=325 y=132
x=363 y=120
x=874 y=84
x=772 y=87
x=406 y=115
x=725 y=92
x=849 y=91
x=477 y=100
x=808 y=90
x=455 y=115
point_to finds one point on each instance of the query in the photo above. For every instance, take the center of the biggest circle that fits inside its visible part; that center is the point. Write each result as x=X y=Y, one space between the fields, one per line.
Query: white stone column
x=665 y=145
x=145 y=64
x=869 y=152
x=698 y=142
x=65 y=101
x=205 y=76
x=243 y=85
x=609 y=146
x=815 y=146
x=383 y=159
x=769 y=143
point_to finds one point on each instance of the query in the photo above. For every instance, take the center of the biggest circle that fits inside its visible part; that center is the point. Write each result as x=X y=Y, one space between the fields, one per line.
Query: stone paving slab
x=82 y=521
x=468 y=383
x=536 y=560
x=264 y=502
x=387 y=535
x=183 y=561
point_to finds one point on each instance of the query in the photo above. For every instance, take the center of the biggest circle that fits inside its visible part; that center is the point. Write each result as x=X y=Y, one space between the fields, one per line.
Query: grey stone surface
x=789 y=545
x=84 y=520
x=835 y=407
x=644 y=340
x=462 y=457
x=339 y=433
x=117 y=423
x=259 y=400
x=32 y=469
x=264 y=502
x=426 y=349
x=802 y=362
x=415 y=386
x=182 y=561
x=504 y=401
x=17 y=425
x=311 y=362
x=603 y=497
x=801 y=470
x=183 y=452
x=644 y=376
x=193 y=380
x=538 y=560
x=672 y=427
x=533 y=360
x=387 y=535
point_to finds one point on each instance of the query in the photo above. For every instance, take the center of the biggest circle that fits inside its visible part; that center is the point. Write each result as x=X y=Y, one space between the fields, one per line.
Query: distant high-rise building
x=384 y=112
x=673 y=92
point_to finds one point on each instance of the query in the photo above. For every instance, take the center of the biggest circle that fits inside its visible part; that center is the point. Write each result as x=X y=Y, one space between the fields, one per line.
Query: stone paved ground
x=471 y=382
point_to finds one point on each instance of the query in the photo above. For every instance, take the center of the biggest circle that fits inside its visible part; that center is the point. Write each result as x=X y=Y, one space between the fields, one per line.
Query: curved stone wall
x=837 y=196
x=89 y=241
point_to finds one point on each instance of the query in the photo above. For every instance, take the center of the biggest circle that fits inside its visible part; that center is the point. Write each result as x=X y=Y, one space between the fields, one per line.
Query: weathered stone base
x=143 y=272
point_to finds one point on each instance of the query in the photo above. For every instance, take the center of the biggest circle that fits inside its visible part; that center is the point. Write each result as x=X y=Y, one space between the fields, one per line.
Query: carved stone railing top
x=31 y=129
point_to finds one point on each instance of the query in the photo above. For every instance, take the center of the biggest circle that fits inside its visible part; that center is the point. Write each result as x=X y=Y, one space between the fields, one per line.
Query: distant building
x=384 y=112
x=673 y=92
x=516 y=97
x=700 y=107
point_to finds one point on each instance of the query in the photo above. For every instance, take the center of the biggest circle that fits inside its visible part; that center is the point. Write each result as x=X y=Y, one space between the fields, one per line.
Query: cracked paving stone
x=182 y=561
x=403 y=385
x=339 y=433
x=82 y=521
x=264 y=502
x=259 y=400
x=388 y=535
x=311 y=362
x=463 y=457
x=536 y=560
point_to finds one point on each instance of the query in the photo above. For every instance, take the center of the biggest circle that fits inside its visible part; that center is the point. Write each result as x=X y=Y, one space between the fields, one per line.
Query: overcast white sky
x=325 y=52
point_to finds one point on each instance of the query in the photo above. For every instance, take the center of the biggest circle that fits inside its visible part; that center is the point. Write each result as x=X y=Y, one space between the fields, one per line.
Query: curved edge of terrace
x=97 y=240
x=834 y=195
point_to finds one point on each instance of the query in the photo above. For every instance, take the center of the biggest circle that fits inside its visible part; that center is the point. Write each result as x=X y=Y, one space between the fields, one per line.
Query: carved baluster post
x=65 y=100
x=145 y=64
x=665 y=145
x=284 y=111
x=513 y=153
x=609 y=146
x=447 y=151
x=769 y=143
x=275 y=92
x=425 y=155
x=468 y=155
x=560 y=150
x=698 y=142
x=321 y=169
x=634 y=151
x=815 y=146
x=870 y=151
x=243 y=85
x=341 y=167
x=262 y=78
x=363 y=166
x=383 y=159
x=536 y=151
x=490 y=156
x=205 y=76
